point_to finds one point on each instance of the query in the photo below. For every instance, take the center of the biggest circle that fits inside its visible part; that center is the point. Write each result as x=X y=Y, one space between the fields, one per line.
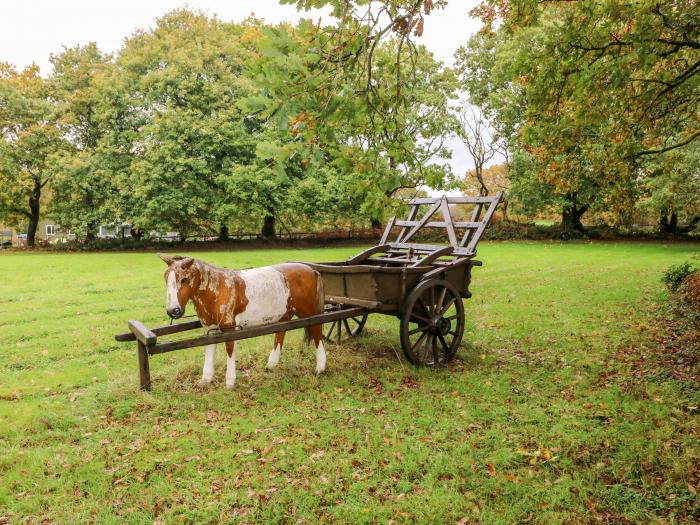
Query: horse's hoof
x=202 y=383
x=230 y=386
x=319 y=371
x=271 y=365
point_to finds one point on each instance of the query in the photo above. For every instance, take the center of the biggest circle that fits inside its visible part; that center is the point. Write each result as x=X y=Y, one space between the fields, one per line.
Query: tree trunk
x=268 y=229
x=223 y=233
x=91 y=227
x=571 y=217
x=376 y=224
x=34 y=208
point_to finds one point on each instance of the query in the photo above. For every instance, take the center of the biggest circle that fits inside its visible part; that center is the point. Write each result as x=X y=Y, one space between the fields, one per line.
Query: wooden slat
x=476 y=237
x=411 y=215
x=451 y=235
x=439 y=224
x=431 y=224
x=422 y=221
x=429 y=259
x=143 y=334
x=470 y=200
x=476 y=213
x=162 y=330
x=453 y=200
x=416 y=246
x=366 y=254
x=387 y=230
x=245 y=333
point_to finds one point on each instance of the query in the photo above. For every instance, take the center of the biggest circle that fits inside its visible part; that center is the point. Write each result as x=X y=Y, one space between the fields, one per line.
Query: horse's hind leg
x=316 y=332
x=208 y=370
x=230 y=364
x=276 y=351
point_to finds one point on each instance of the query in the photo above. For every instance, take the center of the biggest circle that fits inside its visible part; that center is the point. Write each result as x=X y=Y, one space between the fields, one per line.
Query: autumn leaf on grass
x=541 y=455
x=491 y=469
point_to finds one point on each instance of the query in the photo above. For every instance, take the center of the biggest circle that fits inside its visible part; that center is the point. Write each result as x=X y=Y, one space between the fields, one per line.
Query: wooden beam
x=422 y=221
x=387 y=230
x=453 y=200
x=162 y=330
x=476 y=237
x=447 y=250
x=366 y=254
x=451 y=235
x=245 y=333
x=411 y=215
x=144 y=367
x=142 y=334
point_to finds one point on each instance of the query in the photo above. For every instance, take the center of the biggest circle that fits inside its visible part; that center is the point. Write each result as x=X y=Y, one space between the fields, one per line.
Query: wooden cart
x=422 y=284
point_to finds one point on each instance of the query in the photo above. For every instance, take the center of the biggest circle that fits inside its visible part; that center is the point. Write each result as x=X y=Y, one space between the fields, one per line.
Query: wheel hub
x=440 y=325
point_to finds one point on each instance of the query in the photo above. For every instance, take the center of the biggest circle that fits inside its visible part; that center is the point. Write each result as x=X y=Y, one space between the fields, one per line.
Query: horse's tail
x=320 y=303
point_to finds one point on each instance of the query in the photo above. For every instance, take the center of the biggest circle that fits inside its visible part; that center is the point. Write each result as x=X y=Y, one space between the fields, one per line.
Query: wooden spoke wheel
x=432 y=324
x=336 y=331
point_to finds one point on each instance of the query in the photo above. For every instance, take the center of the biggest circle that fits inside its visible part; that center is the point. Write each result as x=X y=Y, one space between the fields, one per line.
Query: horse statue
x=228 y=299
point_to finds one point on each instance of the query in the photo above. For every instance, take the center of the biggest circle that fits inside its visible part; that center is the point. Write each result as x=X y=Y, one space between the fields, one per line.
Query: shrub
x=675 y=275
x=690 y=290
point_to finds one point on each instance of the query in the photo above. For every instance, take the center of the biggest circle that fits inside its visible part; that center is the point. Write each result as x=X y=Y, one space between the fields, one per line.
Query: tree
x=387 y=125
x=29 y=142
x=181 y=82
x=671 y=190
x=84 y=184
x=606 y=85
x=479 y=140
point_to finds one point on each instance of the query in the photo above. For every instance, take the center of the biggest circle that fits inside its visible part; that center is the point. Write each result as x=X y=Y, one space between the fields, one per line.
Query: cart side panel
x=374 y=285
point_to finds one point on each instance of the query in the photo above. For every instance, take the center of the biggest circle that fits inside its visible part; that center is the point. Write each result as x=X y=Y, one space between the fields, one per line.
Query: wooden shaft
x=162 y=330
x=235 y=335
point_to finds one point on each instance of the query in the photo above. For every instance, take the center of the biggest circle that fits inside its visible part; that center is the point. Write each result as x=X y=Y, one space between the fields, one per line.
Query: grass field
x=547 y=415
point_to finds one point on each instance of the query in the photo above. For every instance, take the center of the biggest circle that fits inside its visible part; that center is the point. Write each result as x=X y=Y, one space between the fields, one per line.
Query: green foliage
x=595 y=92
x=29 y=141
x=83 y=188
x=674 y=275
x=381 y=125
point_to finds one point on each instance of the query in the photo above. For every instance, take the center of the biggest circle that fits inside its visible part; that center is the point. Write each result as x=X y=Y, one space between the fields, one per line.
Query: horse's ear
x=167 y=259
x=187 y=262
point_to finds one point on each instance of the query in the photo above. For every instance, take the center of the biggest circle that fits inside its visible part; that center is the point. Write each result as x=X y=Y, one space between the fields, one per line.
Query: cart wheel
x=344 y=328
x=432 y=324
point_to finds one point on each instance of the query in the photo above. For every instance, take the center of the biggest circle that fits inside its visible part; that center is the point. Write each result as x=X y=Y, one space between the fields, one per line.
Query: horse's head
x=181 y=279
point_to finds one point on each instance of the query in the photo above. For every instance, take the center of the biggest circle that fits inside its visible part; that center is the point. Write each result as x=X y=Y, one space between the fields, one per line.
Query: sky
x=31 y=30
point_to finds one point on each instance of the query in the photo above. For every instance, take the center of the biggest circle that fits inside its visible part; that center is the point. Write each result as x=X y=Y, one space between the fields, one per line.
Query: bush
x=690 y=290
x=675 y=275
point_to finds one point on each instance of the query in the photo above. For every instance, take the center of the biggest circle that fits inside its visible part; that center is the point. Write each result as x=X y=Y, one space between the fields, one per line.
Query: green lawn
x=544 y=416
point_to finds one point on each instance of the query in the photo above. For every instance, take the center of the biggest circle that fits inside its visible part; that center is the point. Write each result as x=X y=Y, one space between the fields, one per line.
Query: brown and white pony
x=226 y=299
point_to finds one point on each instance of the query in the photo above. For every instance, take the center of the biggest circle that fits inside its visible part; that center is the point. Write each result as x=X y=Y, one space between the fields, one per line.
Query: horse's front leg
x=208 y=369
x=230 y=364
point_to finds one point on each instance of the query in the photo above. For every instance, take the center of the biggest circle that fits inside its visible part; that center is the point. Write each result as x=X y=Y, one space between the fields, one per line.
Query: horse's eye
x=185 y=280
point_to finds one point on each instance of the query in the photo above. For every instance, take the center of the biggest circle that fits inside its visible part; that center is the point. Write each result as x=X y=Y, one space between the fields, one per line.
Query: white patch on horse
x=320 y=358
x=171 y=293
x=208 y=370
x=231 y=368
x=274 y=357
x=268 y=294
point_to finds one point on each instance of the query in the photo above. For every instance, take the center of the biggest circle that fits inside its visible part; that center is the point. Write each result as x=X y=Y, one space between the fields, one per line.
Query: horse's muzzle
x=175 y=313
